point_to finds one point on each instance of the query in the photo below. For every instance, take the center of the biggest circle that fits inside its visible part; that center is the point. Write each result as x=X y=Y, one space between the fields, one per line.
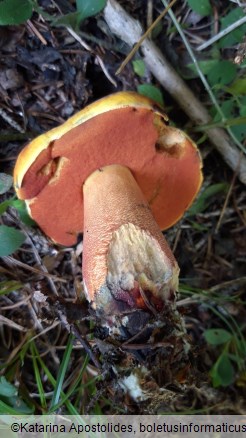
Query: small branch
x=99 y=59
x=145 y=35
x=222 y=33
x=130 y=31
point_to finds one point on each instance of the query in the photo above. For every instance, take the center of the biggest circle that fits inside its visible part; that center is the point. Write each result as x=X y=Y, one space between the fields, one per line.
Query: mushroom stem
x=127 y=263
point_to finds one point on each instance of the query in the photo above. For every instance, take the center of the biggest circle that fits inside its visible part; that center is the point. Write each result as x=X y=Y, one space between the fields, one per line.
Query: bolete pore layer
x=118 y=173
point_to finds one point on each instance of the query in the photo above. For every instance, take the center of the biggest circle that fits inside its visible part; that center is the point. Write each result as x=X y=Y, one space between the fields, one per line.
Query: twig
x=143 y=37
x=71 y=328
x=149 y=13
x=99 y=59
x=44 y=331
x=188 y=301
x=36 y=32
x=14 y=353
x=130 y=31
x=221 y=34
x=11 y=324
x=32 y=269
x=87 y=47
x=236 y=282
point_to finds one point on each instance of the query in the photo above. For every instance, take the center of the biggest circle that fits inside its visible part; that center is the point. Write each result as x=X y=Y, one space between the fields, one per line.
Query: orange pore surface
x=125 y=136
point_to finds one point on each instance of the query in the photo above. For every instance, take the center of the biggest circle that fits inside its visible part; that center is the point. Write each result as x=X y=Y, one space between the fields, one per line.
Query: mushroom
x=118 y=173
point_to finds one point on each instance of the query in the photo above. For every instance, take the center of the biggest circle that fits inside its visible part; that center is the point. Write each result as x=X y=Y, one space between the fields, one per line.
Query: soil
x=46 y=75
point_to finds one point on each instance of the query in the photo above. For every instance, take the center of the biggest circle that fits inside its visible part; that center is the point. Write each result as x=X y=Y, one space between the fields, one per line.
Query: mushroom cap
x=124 y=128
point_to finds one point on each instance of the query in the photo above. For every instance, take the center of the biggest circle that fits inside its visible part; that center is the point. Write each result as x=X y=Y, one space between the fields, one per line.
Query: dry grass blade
x=44 y=331
x=19 y=303
x=222 y=34
x=99 y=59
x=15 y=262
x=11 y=324
x=15 y=352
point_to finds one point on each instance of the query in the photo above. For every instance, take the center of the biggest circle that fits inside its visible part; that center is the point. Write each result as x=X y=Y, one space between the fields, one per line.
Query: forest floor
x=46 y=75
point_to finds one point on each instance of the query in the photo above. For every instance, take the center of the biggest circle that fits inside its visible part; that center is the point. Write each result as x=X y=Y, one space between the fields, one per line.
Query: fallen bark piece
x=129 y=30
